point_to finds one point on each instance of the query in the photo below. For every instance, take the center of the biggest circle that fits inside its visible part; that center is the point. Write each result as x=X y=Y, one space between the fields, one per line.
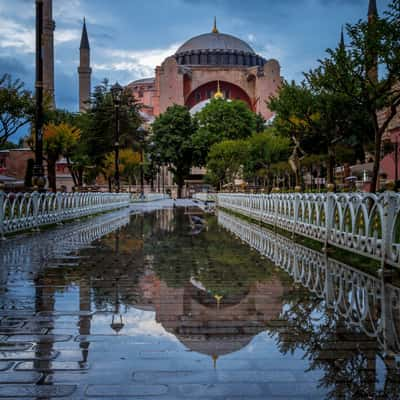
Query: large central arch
x=207 y=91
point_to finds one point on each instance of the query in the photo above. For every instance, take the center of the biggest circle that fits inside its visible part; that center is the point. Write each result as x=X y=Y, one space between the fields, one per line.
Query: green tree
x=264 y=150
x=374 y=45
x=173 y=142
x=58 y=140
x=225 y=161
x=16 y=107
x=220 y=120
x=98 y=130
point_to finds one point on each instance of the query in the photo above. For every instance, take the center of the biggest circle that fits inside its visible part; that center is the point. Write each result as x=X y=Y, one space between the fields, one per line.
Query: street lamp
x=116 y=92
x=38 y=172
x=142 y=133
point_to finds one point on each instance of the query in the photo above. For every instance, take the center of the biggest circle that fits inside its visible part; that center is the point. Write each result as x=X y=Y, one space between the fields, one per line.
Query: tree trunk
x=377 y=161
x=51 y=174
x=109 y=185
x=331 y=166
x=80 y=176
x=180 y=186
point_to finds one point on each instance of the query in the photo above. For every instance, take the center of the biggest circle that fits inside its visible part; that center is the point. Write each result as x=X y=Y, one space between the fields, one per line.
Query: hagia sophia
x=209 y=65
x=204 y=65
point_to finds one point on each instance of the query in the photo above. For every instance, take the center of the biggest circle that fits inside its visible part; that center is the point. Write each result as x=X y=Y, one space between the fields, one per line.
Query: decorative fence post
x=2 y=212
x=35 y=201
x=329 y=208
x=296 y=205
x=388 y=221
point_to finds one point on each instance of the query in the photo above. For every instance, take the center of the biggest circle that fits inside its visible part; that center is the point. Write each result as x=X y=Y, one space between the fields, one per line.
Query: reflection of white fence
x=210 y=197
x=363 y=223
x=149 y=197
x=21 y=211
x=361 y=299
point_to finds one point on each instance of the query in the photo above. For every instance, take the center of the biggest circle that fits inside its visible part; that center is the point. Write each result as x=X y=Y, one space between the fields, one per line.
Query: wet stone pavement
x=151 y=304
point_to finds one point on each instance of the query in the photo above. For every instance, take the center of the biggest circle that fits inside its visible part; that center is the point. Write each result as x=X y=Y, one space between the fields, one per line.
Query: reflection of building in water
x=211 y=324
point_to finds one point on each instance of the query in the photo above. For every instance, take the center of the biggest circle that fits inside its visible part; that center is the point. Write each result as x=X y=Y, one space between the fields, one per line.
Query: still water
x=151 y=305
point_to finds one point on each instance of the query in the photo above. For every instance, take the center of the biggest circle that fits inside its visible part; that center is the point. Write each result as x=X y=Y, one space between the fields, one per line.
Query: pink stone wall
x=175 y=85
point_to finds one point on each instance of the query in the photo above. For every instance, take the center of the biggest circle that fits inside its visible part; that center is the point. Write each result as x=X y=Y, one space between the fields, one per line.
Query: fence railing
x=149 y=197
x=210 y=197
x=22 y=211
x=361 y=299
x=362 y=223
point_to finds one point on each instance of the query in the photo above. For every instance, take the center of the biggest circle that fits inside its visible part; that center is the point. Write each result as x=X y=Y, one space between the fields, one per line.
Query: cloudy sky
x=129 y=38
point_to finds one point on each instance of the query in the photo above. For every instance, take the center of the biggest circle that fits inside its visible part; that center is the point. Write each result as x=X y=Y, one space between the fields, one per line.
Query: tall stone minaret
x=48 y=51
x=84 y=71
x=372 y=68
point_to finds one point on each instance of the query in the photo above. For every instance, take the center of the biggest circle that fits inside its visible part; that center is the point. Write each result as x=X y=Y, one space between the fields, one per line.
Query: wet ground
x=157 y=304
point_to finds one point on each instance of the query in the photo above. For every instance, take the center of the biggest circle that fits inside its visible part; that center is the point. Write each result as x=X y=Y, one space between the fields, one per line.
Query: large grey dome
x=215 y=41
x=212 y=49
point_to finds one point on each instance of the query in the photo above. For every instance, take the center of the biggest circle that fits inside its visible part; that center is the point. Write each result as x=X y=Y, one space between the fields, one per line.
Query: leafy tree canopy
x=16 y=107
x=220 y=120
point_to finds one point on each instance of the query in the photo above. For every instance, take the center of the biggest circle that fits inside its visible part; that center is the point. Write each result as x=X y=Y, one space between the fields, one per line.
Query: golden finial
x=218 y=94
x=215 y=358
x=215 y=30
x=218 y=298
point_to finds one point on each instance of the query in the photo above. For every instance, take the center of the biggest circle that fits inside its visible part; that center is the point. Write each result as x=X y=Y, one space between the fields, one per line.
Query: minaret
x=48 y=51
x=372 y=10
x=84 y=71
x=342 y=44
x=372 y=68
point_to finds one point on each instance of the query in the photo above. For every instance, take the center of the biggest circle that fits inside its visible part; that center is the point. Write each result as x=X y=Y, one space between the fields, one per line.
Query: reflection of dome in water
x=215 y=345
x=203 y=326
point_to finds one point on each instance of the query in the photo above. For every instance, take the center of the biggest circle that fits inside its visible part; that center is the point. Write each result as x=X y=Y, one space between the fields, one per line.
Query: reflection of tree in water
x=116 y=266
x=224 y=266
x=347 y=357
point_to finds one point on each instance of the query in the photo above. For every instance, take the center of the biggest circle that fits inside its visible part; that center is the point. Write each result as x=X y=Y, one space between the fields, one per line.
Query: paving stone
x=27 y=355
x=22 y=331
x=125 y=390
x=48 y=366
x=107 y=337
x=171 y=365
x=36 y=390
x=231 y=389
x=40 y=338
x=5 y=365
x=295 y=389
x=174 y=377
x=10 y=346
x=20 y=377
x=65 y=313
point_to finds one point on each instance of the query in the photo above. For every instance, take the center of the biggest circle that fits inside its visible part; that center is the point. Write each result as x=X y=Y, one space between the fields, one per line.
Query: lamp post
x=142 y=132
x=38 y=172
x=116 y=92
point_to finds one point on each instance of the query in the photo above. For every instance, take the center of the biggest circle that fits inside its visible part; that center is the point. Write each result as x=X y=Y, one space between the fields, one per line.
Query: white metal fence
x=361 y=299
x=362 y=223
x=22 y=211
x=210 y=197
x=149 y=197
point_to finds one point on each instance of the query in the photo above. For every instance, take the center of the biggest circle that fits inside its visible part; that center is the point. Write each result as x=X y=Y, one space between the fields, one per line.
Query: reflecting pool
x=171 y=303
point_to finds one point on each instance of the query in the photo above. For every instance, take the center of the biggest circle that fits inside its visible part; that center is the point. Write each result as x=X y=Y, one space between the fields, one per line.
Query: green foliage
x=352 y=73
x=225 y=161
x=16 y=107
x=98 y=125
x=173 y=142
x=221 y=120
x=265 y=149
